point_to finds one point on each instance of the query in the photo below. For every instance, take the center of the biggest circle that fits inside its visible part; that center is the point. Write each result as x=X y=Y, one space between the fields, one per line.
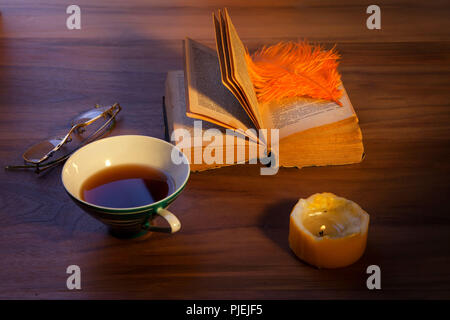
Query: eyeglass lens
x=88 y=116
x=35 y=153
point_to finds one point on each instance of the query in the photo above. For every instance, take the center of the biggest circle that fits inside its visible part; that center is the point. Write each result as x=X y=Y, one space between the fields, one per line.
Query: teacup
x=120 y=150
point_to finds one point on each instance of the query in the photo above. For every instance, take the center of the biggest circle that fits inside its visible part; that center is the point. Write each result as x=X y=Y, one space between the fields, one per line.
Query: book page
x=177 y=119
x=220 y=53
x=225 y=67
x=239 y=68
x=301 y=113
x=207 y=98
x=176 y=97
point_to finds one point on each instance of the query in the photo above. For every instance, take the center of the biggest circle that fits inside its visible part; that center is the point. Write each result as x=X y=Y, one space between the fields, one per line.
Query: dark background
x=233 y=242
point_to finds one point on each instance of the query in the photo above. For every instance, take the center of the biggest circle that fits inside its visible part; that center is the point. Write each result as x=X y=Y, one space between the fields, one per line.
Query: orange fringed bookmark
x=295 y=69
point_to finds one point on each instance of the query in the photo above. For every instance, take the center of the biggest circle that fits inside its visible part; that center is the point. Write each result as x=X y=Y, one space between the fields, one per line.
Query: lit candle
x=328 y=231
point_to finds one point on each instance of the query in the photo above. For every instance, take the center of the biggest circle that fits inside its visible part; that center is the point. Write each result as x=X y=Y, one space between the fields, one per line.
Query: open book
x=216 y=88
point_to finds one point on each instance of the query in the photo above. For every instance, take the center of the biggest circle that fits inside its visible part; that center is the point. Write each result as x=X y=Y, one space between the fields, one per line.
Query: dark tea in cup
x=127 y=186
x=126 y=182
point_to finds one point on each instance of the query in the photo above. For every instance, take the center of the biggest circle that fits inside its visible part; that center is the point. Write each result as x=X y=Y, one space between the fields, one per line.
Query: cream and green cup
x=121 y=150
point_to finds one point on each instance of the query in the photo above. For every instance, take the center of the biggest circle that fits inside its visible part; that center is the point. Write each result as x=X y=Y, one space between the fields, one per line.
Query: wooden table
x=233 y=242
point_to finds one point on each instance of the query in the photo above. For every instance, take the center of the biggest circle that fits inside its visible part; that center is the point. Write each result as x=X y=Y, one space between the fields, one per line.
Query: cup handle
x=173 y=221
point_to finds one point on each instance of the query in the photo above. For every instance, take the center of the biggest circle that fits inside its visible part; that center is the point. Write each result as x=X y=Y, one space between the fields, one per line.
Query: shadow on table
x=275 y=222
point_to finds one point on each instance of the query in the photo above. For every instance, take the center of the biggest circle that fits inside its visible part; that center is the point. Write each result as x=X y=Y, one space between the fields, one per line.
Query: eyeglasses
x=85 y=128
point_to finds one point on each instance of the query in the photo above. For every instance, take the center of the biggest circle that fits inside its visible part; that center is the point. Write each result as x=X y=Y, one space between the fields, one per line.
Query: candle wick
x=322 y=228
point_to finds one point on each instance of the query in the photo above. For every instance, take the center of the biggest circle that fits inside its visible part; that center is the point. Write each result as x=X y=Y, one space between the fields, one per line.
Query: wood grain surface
x=233 y=242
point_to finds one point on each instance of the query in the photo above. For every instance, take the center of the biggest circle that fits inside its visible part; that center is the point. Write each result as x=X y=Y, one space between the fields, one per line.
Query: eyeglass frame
x=39 y=166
